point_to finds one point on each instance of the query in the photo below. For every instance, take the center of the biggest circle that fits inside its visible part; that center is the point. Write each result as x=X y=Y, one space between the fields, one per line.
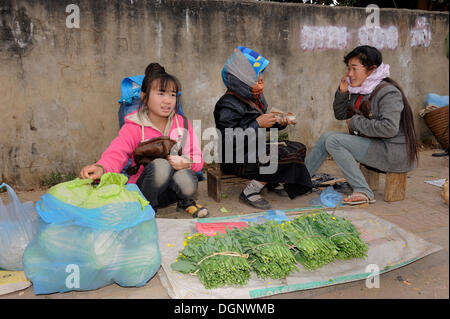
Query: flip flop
x=358 y=202
x=196 y=211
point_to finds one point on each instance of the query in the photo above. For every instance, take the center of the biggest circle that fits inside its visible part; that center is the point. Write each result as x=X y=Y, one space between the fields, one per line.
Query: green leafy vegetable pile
x=343 y=234
x=310 y=248
x=271 y=250
x=216 y=260
x=269 y=255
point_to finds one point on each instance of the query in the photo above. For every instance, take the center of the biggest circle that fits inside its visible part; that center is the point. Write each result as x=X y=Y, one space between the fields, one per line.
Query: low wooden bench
x=394 y=189
x=216 y=179
x=395 y=184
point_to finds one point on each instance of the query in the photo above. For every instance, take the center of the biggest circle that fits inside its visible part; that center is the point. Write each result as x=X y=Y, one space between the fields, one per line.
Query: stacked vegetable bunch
x=216 y=260
x=343 y=235
x=268 y=253
x=271 y=250
x=309 y=246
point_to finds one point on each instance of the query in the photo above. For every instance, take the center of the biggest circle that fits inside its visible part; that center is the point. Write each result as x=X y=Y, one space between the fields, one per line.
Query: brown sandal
x=365 y=199
x=196 y=211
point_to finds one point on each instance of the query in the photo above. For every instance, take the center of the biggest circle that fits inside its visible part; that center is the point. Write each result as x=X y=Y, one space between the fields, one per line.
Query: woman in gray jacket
x=380 y=122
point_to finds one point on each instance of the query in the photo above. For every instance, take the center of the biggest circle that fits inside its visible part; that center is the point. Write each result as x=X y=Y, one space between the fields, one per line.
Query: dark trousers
x=162 y=185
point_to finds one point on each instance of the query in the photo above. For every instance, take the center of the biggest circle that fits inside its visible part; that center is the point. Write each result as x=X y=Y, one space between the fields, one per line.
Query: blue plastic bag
x=18 y=226
x=437 y=100
x=330 y=198
x=273 y=215
x=85 y=249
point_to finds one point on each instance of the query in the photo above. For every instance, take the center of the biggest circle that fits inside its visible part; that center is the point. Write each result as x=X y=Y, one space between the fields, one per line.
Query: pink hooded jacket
x=138 y=129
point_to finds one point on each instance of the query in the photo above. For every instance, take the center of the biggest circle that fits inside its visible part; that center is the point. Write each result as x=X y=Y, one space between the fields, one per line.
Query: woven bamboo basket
x=438 y=121
x=445 y=191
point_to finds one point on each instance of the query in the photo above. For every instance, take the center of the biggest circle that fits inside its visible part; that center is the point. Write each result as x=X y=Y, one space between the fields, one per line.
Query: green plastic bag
x=111 y=189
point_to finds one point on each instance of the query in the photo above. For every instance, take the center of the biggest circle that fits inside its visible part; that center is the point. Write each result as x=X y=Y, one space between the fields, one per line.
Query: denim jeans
x=159 y=179
x=346 y=150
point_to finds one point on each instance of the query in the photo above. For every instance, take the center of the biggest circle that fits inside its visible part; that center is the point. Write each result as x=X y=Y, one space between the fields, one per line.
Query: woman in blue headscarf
x=243 y=109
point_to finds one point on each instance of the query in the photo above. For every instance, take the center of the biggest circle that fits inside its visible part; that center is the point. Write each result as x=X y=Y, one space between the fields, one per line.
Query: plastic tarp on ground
x=11 y=281
x=390 y=247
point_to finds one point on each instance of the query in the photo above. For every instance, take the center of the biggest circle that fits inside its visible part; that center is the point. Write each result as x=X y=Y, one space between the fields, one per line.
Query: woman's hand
x=343 y=86
x=266 y=120
x=286 y=121
x=94 y=172
x=178 y=162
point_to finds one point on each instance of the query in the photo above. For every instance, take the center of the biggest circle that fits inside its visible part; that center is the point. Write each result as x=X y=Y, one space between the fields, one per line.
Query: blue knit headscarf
x=240 y=73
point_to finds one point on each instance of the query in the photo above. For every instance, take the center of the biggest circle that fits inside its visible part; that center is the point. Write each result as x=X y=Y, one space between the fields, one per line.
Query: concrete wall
x=60 y=85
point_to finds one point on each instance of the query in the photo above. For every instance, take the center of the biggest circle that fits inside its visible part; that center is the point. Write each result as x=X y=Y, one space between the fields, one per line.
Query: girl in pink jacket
x=163 y=181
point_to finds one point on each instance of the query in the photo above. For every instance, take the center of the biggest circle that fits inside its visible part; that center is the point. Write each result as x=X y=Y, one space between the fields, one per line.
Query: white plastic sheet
x=390 y=247
x=436 y=182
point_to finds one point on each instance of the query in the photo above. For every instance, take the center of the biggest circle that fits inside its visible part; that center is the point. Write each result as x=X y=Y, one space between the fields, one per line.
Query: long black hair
x=370 y=56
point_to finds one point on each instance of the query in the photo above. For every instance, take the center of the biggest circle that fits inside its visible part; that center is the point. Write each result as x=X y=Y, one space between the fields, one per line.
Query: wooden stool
x=394 y=187
x=215 y=180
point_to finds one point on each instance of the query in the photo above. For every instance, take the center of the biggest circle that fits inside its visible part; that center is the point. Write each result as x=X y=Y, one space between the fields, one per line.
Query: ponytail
x=150 y=70
x=407 y=122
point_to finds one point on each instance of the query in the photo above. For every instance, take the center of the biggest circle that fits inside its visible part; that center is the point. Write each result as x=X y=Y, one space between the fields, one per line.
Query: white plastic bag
x=18 y=226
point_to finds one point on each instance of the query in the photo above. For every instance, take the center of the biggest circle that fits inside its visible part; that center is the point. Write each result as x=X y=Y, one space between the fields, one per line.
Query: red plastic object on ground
x=211 y=229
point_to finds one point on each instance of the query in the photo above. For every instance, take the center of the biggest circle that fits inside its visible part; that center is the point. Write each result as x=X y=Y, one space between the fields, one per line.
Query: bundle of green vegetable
x=217 y=260
x=271 y=250
x=311 y=249
x=343 y=234
x=268 y=252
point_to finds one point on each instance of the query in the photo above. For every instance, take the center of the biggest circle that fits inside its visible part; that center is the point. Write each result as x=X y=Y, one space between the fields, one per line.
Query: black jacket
x=231 y=112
